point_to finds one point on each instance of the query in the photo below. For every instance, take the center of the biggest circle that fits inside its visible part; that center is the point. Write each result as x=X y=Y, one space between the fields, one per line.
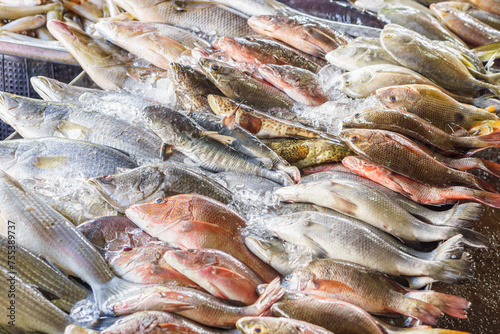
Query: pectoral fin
x=51 y=162
x=226 y=140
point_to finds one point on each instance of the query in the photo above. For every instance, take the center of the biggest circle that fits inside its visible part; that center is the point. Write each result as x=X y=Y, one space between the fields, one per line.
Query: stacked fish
x=165 y=192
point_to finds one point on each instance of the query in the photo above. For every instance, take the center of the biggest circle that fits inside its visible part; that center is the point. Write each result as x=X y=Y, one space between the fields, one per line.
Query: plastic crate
x=15 y=74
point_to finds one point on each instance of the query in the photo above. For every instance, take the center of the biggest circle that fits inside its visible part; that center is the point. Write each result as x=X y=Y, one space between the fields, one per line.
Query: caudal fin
x=473 y=238
x=453 y=271
x=481 y=184
x=454 y=306
x=271 y=295
x=112 y=290
x=425 y=312
x=463 y=214
x=487 y=198
x=475 y=163
x=451 y=249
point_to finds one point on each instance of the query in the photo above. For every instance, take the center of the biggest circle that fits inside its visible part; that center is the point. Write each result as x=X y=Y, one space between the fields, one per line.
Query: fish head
x=49 y=89
x=265 y=248
x=358 y=119
x=354 y=83
x=241 y=49
x=267 y=24
x=220 y=105
x=355 y=163
x=218 y=72
x=138 y=322
x=396 y=39
x=360 y=139
x=445 y=11
x=168 y=124
x=125 y=29
x=399 y=96
x=257 y=325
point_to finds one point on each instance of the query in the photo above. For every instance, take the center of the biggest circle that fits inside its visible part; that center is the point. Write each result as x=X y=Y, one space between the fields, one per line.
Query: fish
x=17 y=12
x=411 y=125
x=372 y=291
x=491 y=19
x=158 y=43
x=217 y=272
x=195 y=305
x=274 y=252
x=304 y=153
x=154 y=181
x=25 y=23
x=242 y=87
x=41 y=230
x=377 y=5
x=420 y=54
x=208 y=19
x=418 y=21
x=240 y=182
x=74 y=329
x=194 y=221
x=375 y=208
x=84 y=9
x=158 y=322
x=202 y=147
x=343 y=238
x=263 y=51
x=334 y=315
x=34 y=118
x=30 y=269
x=488 y=5
x=50 y=158
x=417 y=191
x=404 y=157
x=300 y=32
x=434 y=106
x=29 y=310
x=249 y=325
x=191 y=87
x=114 y=233
x=468 y=28
x=357 y=54
x=145 y=265
x=299 y=84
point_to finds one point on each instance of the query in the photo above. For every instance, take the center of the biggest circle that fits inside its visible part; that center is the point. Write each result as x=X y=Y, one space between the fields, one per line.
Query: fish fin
x=461 y=215
x=316 y=248
x=493 y=137
x=452 y=248
x=484 y=197
x=325 y=38
x=250 y=123
x=483 y=185
x=453 y=271
x=452 y=305
x=230 y=119
x=292 y=171
x=73 y=130
x=188 y=5
x=493 y=109
x=425 y=312
x=226 y=140
x=51 y=162
x=166 y=151
x=271 y=295
x=330 y=286
x=105 y=294
x=473 y=238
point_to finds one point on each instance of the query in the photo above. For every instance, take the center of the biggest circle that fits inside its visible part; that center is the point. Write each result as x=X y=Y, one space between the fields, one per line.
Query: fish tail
x=450 y=249
x=484 y=197
x=452 y=271
x=482 y=185
x=271 y=295
x=495 y=89
x=427 y=313
x=453 y=306
x=291 y=171
x=473 y=238
x=112 y=290
x=490 y=167
x=463 y=214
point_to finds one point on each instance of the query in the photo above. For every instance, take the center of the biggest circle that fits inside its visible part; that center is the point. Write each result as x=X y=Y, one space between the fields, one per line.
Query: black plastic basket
x=15 y=74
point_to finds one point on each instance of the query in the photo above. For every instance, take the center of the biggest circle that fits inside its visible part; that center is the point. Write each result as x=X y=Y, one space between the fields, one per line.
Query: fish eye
x=354 y=138
x=393 y=99
x=107 y=177
x=127 y=249
x=287 y=277
x=356 y=115
x=347 y=82
x=257 y=330
x=215 y=67
x=159 y=200
x=191 y=251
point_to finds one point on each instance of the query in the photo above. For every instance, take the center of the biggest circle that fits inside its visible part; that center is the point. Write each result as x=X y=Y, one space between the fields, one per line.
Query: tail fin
x=114 y=288
x=451 y=249
x=271 y=295
x=454 y=306
x=453 y=271
x=291 y=171
x=462 y=214
x=486 y=198
x=482 y=185
x=493 y=88
x=475 y=163
x=493 y=109
x=427 y=313
x=473 y=238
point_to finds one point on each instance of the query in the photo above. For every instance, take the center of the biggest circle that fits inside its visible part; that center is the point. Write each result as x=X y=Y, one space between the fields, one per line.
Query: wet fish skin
x=301 y=85
x=242 y=182
x=300 y=32
x=32 y=311
x=263 y=51
x=32 y=270
x=25 y=23
x=489 y=5
x=192 y=140
x=317 y=231
x=17 y=12
x=248 y=325
x=241 y=87
x=482 y=15
x=403 y=156
x=154 y=181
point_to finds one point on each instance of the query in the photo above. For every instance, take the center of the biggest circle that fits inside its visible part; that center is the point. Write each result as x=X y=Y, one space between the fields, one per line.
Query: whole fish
x=415 y=127
x=242 y=87
x=343 y=238
x=301 y=85
x=32 y=270
x=337 y=316
x=145 y=265
x=196 y=305
x=193 y=221
x=419 y=192
x=149 y=182
x=219 y=273
x=434 y=106
x=405 y=157
x=468 y=28
x=300 y=32
x=26 y=309
x=159 y=322
x=17 y=12
x=304 y=153
x=25 y=23
x=114 y=233
x=37 y=118
x=209 y=19
x=50 y=158
x=204 y=148
x=250 y=325
x=491 y=19
x=358 y=54
x=43 y=231
x=263 y=51
x=372 y=291
x=375 y=208
x=157 y=43
x=489 y=5
x=429 y=59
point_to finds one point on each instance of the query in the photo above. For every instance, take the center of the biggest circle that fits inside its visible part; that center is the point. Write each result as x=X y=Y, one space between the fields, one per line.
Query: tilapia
x=347 y=239
x=195 y=305
x=149 y=182
x=26 y=309
x=403 y=156
x=299 y=84
x=372 y=291
x=242 y=87
x=204 y=148
x=217 y=272
x=250 y=325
